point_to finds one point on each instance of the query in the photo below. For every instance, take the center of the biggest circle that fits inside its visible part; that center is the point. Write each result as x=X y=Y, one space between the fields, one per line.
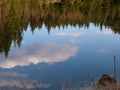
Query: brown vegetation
x=106 y=80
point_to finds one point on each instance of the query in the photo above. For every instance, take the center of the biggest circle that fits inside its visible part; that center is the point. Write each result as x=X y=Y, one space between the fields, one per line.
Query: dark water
x=46 y=44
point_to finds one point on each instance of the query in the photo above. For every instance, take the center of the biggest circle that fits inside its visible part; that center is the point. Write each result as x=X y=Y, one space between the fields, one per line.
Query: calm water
x=56 y=51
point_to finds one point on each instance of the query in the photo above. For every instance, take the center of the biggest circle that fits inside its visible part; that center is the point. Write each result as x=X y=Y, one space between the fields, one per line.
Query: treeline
x=16 y=15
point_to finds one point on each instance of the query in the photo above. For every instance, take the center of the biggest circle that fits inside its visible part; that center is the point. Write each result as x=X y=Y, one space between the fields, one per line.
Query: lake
x=48 y=44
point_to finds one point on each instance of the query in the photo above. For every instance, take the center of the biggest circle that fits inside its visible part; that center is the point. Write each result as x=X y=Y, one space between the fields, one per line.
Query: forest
x=16 y=15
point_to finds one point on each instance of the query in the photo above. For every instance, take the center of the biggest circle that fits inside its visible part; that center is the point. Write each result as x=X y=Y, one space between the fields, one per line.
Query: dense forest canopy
x=16 y=15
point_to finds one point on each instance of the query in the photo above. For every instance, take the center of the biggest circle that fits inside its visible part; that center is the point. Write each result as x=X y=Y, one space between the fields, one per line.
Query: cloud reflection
x=102 y=51
x=71 y=34
x=107 y=32
x=45 y=52
x=12 y=79
x=11 y=75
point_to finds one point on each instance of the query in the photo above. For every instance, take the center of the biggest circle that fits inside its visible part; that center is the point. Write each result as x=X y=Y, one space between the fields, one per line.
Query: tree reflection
x=16 y=15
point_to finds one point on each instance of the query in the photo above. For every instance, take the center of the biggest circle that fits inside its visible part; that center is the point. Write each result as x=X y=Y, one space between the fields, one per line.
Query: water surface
x=45 y=48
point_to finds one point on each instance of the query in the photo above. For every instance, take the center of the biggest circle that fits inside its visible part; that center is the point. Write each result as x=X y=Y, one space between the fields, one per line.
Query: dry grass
x=69 y=86
x=117 y=87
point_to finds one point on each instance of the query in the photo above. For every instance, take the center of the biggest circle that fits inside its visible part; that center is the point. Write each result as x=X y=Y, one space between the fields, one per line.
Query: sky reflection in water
x=71 y=52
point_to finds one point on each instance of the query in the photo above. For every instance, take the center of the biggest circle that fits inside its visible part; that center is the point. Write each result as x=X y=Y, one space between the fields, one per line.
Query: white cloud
x=11 y=79
x=47 y=52
x=102 y=51
x=71 y=34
